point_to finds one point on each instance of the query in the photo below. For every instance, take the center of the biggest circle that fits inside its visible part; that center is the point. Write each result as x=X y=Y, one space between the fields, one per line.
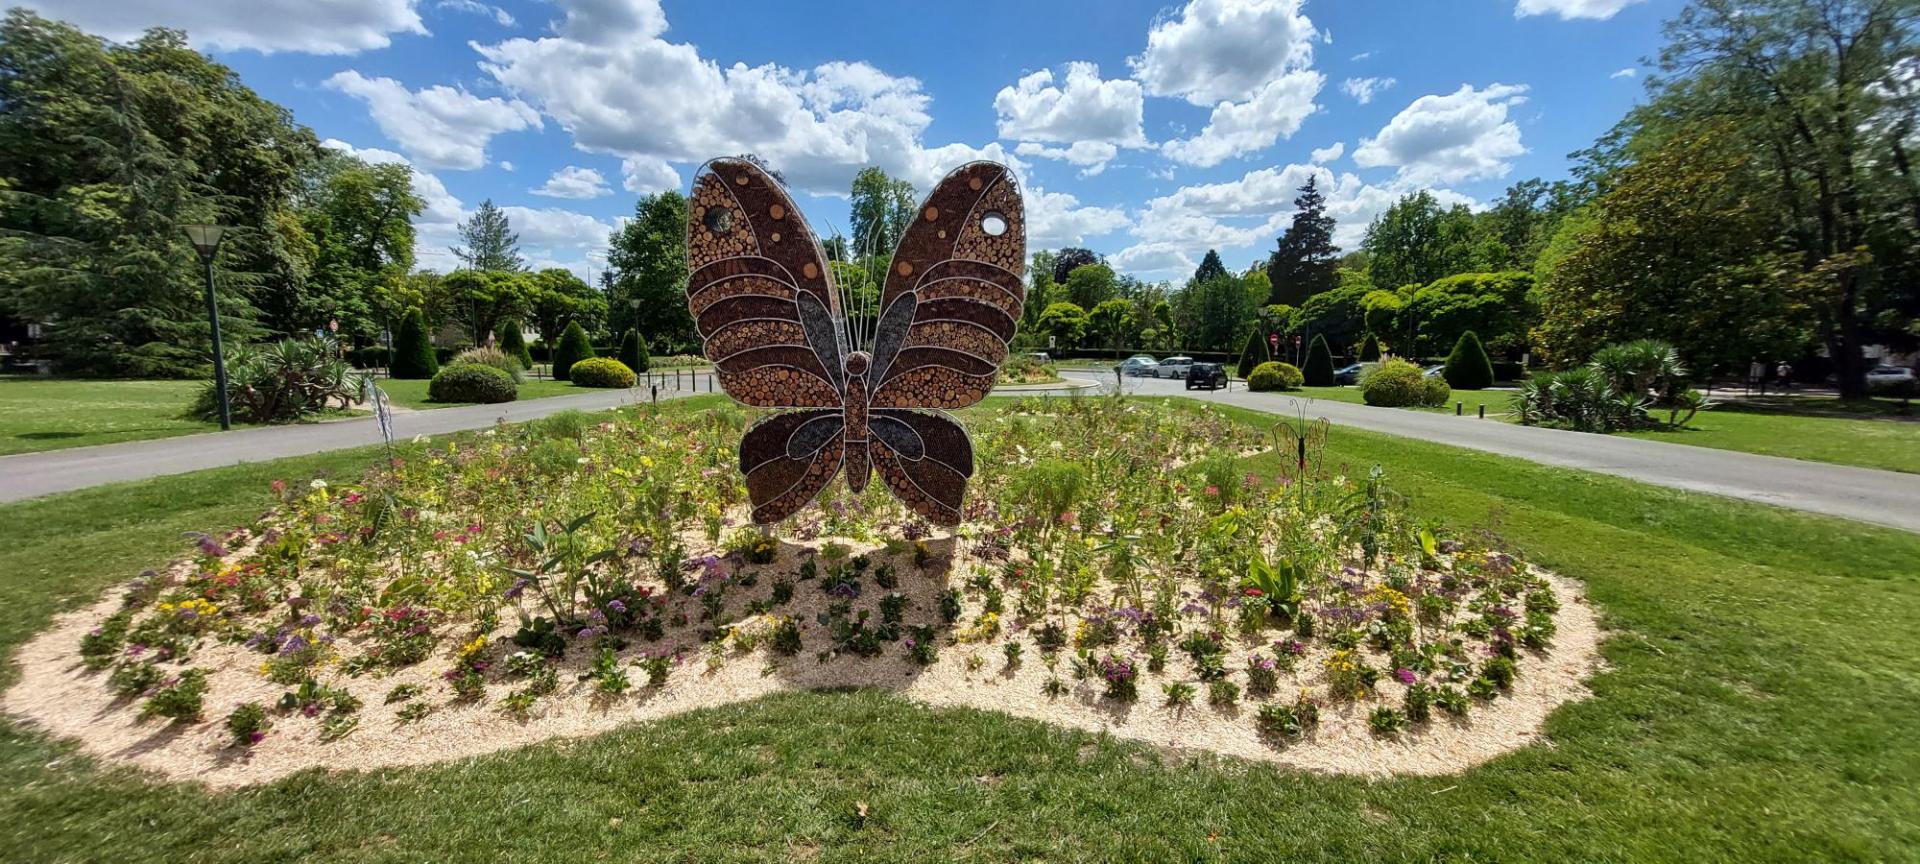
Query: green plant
x=289 y=380
x=607 y=675
x=601 y=372
x=472 y=382
x=1222 y=692
x=412 y=353
x=633 y=351
x=1370 y=350
x=1394 y=384
x=572 y=349
x=1253 y=354
x=181 y=699
x=1278 y=581
x=494 y=357
x=402 y=693
x=1468 y=367
x=1049 y=489
x=1386 y=721
x=1434 y=391
x=248 y=724
x=512 y=343
x=1581 y=399
x=1318 y=370
x=1271 y=376
x=1179 y=694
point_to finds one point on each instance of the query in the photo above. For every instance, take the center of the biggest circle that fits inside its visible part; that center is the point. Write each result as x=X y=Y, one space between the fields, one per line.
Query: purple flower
x=617 y=607
x=1405 y=675
x=518 y=587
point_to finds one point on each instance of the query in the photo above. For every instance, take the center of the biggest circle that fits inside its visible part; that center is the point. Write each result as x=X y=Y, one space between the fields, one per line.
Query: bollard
x=656 y=392
x=1483 y=410
x=1459 y=409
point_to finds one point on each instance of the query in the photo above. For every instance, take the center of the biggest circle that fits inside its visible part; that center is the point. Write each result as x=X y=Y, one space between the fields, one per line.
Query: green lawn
x=1495 y=400
x=1758 y=707
x=52 y=413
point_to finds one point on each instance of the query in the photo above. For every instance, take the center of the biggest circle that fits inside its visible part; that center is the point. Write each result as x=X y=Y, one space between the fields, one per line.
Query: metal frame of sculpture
x=771 y=320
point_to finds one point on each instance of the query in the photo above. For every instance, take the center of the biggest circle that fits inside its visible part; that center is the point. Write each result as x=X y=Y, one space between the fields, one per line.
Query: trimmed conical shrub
x=1319 y=369
x=412 y=353
x=1468 y=367
x=513 y=344
x=1254 y=354
x=1370 y=350
x=633 y=351
x=573 y=348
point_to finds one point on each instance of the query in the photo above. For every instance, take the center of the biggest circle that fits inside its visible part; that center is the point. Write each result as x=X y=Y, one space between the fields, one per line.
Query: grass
x=1757 y=707
x=1824 y=436
x=39 y=414
x=1494 y=400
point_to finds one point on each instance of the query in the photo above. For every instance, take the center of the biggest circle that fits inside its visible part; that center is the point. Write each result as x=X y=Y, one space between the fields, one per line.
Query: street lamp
x=206 y=241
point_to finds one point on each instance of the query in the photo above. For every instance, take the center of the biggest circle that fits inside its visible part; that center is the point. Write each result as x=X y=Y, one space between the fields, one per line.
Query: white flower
x=581 y=461
x=417 y=439
x=489 y=433
x=317 y=484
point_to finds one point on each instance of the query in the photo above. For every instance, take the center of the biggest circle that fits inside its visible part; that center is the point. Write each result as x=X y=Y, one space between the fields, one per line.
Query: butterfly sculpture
x=775 y=326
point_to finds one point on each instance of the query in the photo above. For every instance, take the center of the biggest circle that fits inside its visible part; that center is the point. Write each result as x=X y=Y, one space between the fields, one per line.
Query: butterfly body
x=780 y=336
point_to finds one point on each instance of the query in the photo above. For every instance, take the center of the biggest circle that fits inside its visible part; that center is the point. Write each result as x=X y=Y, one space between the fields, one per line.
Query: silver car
x=1173 y=367
x=1138 y=364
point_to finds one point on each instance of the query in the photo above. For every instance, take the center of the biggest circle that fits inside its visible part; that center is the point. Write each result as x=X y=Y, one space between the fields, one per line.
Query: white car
x=1890 y=378
x=1173 y=367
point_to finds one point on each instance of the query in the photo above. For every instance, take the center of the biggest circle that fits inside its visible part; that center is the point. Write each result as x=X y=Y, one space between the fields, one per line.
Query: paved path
x=30 y=475
x=1884 y=497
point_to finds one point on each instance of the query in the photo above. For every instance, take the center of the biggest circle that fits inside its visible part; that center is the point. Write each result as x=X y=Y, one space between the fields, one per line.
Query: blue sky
x=1147 y=132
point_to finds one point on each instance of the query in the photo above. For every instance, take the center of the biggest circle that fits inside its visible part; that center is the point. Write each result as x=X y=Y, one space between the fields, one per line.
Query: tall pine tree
x=1305 y=261
x=1210 y=268
x=491 y=243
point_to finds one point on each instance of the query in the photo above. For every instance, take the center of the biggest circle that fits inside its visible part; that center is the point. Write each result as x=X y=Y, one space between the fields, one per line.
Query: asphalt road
x=1887 y=498
x=1882 y=497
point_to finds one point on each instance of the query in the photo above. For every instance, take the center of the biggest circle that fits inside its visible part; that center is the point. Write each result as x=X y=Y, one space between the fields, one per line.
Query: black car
x=1206 y=376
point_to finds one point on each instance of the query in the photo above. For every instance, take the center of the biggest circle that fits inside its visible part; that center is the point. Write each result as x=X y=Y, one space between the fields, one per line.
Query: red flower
x=1255 y=592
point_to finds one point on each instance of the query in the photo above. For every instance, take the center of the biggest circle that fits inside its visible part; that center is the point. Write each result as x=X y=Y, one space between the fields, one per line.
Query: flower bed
x=1125 y=566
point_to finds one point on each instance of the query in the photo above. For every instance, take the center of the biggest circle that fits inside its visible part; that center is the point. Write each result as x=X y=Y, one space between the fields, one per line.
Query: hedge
x=573 y=349
x=472 y=382
x=601 y=372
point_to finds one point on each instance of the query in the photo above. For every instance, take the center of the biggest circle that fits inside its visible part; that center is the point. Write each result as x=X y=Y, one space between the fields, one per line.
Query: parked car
x=1890 y=378
x=1040 y=357
x=1173 y=367
x=1206 y=376
x=1349 y=374
x=1139 y=364
x=1436 y=371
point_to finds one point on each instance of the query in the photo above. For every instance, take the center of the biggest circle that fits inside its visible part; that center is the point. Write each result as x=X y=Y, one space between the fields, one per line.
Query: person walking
x=1785 y=373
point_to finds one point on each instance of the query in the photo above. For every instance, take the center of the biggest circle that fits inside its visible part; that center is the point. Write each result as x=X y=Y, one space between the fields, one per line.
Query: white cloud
x=1323 y=155
x=1464 y=135
x=576 y=182
x=1364 y=55
x=267 y=26
x=1224 y=50
x=440 y=126
x=475 y=7
x=1570 y=9
x=1628 y=72
x=553 y=230
x=1092 y=156
x=1250 y=213
x=505 y=165
x=1364 y=89
x=610 y=21
x=1084 y=109
x=644 y=175
x=1056 y=219
x=1239 y=128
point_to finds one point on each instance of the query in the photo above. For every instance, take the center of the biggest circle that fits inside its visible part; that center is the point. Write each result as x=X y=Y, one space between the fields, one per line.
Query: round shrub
x=1274 y=376
x=1436 y=393
x=633 y=350
x=471 y=382
x=494 y=357
x=1468 y=367
x=1396 y=384
x=601 y=372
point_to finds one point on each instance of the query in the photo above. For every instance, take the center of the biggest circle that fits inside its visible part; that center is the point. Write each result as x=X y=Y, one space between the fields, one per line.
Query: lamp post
x=206 y=241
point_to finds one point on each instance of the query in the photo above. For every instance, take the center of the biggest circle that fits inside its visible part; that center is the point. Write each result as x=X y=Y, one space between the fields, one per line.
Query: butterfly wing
x=953 y=293
x=759 y=291
x=788 y=458
x=925 y=458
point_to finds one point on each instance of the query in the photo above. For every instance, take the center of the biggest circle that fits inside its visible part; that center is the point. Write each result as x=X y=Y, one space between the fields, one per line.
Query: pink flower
x=1405 y=675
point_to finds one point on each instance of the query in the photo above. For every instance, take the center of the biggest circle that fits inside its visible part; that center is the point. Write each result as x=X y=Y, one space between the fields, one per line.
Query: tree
x=1318 y=371
x=491 y=245
x=1216 y=314
x=1111 y=323
x=648 y=259
x=1253 y=353
x=1415 y=242
x=1498 y=304
x=106 y=150
x=633 y=351
x=1210 y=268
x=1070 y=259
x=1468 y=367
x=412 y=353
x=1336 y=315
x=512 y=343
x=1369 y=350
x=1090 y=285
x=879 y=211
x=572 y=349
x=1819 y=96
x=1724 y=296
x=1066 y=323
x=556 y=297
x=358 y=232
x=1040 y=290
x=1304 y=263
x=484 y=298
